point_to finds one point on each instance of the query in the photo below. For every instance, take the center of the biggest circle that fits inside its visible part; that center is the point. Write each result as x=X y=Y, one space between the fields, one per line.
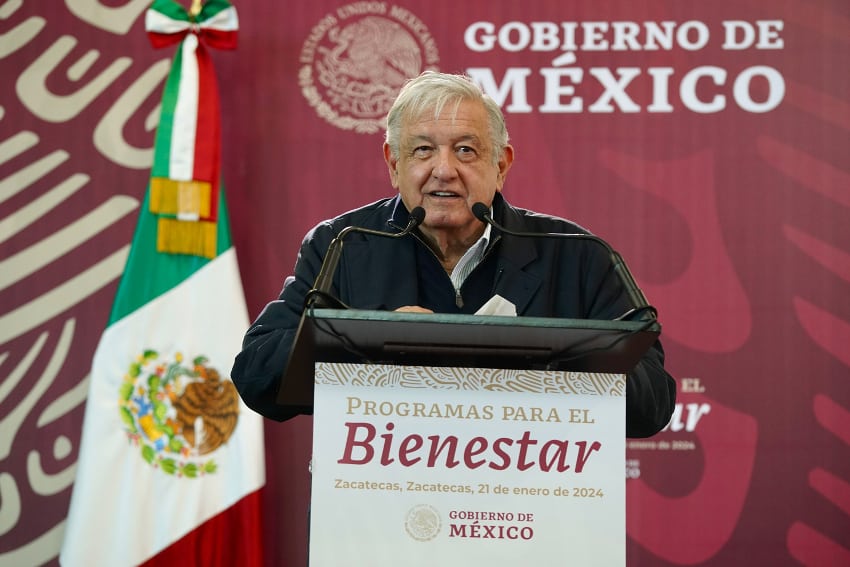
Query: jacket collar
x=400 y=216
x=513 y=282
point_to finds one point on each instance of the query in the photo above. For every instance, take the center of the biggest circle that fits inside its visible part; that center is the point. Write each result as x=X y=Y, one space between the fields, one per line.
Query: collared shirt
x=470 y=259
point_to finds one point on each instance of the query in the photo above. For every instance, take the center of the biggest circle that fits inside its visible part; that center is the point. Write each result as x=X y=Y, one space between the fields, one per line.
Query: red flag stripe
x=207 y=158
x=233 y=537
x=217 y=39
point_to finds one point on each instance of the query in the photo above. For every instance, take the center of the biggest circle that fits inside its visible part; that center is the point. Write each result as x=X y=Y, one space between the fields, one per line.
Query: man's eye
x=421 y=150
x=465 y=151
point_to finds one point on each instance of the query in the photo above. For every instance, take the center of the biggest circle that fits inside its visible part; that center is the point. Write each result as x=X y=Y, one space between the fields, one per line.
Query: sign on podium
x=416 y=465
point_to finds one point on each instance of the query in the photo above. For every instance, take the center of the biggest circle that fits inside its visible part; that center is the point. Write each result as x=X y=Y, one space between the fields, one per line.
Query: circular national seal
x=356 y=59
x=177 y=413
x=423 y=522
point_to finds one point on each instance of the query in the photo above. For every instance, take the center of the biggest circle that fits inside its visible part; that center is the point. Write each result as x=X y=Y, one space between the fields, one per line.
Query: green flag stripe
x=213 y=7
x=170 y=9
x=162 y=143
x=174 y=11
x=148 y=273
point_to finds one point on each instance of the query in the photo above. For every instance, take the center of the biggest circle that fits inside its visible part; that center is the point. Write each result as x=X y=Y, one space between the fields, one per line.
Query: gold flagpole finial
x=196 y=8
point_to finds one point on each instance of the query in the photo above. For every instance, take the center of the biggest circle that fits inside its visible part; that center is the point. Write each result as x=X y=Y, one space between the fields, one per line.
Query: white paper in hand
x=498 y=305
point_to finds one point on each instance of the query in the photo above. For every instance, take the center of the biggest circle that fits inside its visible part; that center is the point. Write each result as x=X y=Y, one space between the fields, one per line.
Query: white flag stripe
x=157 y=22
x=182 y=157
x=225 y=20
x=141 y=510
x=160 y=23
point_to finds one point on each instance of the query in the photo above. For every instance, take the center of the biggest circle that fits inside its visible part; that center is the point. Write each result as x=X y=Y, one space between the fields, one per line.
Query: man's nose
x=445 y=166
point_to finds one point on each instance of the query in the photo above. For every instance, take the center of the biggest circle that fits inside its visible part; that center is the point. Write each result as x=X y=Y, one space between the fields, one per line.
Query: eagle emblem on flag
x=177 y=413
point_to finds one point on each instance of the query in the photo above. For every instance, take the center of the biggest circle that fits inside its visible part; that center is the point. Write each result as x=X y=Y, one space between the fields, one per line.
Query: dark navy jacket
x=542 y=277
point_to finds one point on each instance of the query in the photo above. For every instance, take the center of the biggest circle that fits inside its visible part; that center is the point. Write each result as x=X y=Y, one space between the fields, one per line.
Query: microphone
x=324 y=280
x=638 y=299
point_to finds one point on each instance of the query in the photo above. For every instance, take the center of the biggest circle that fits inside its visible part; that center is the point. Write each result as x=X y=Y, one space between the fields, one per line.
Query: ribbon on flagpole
x=185 y=176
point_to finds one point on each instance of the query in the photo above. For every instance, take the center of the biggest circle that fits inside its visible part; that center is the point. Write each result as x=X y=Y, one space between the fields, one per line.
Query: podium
x=447 y=339
x=443 y=439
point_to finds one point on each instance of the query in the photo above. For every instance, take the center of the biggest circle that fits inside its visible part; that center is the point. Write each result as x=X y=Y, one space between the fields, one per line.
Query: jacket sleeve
x=650 y=389
x=650 y=395
x=257 y=369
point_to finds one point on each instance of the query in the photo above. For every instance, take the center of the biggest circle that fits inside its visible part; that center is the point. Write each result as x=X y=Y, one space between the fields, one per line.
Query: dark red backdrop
x=735 y=223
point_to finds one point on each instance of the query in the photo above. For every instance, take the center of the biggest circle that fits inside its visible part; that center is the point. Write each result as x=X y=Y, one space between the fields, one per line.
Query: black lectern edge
x=464 y=319
x=318 y=340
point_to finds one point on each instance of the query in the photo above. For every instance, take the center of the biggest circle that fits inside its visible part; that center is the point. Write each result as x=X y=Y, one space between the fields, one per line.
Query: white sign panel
x=467 y=466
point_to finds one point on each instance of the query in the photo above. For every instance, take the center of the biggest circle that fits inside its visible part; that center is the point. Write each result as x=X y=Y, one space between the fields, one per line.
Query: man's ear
x=504 y=165
x=392 y=164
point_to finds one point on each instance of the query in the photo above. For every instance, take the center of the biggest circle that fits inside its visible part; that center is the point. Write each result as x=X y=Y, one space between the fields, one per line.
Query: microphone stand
x=324 y=279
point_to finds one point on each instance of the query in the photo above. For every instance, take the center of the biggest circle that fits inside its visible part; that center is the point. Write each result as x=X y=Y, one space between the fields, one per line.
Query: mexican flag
x=171 y=461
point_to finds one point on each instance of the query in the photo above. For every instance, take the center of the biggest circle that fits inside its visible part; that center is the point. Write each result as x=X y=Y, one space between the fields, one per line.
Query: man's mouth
x=442 y=194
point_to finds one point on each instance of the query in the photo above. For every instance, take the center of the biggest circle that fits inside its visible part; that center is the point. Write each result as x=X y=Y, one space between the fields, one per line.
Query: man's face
x=446 y=165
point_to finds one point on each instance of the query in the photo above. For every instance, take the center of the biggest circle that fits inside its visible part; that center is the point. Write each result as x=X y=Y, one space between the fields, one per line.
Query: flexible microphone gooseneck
x=320 y=295
x=482 y=213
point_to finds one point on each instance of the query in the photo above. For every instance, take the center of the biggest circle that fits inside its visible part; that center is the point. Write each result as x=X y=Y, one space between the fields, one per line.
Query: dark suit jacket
x=569 y=278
